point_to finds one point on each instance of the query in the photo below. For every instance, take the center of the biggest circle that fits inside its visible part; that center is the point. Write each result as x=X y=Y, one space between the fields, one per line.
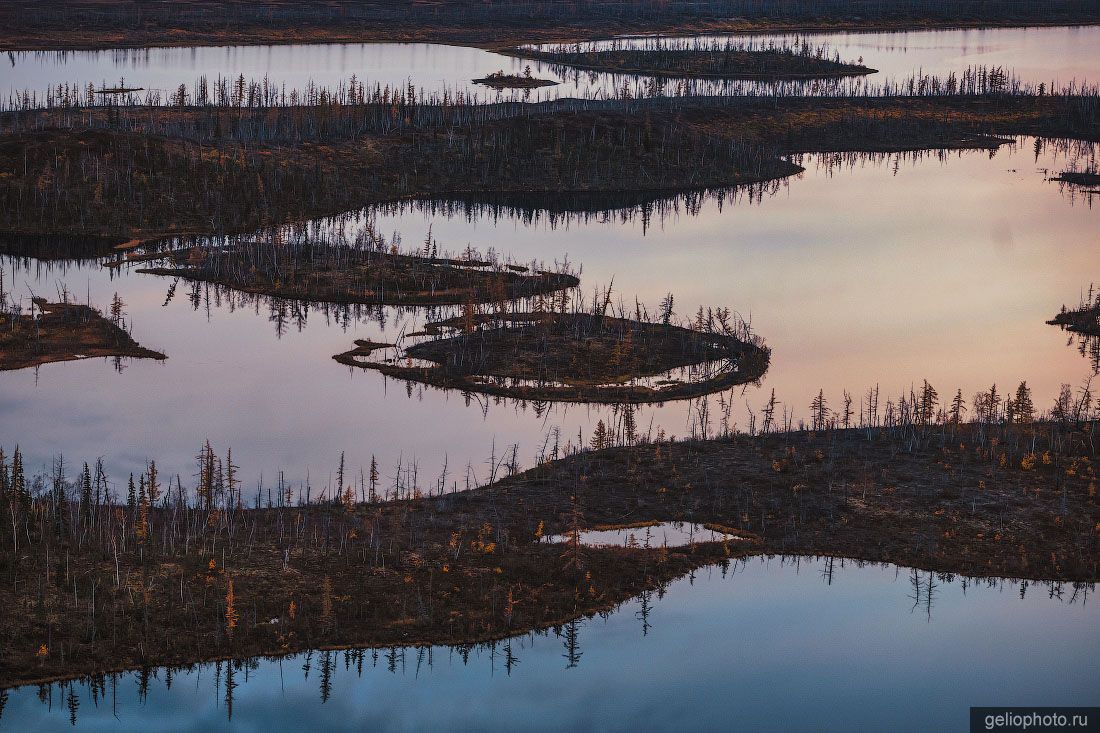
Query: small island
x=1084 y=319
x=317 y=271
x=500 y=80
x=701 y=59
x=54 y=332
x=577 y=357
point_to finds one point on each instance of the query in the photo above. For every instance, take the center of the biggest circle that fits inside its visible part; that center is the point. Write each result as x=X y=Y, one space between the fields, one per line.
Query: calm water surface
x=889 y=272
x=876 y=270
x=767 y=644
x=1036 y=55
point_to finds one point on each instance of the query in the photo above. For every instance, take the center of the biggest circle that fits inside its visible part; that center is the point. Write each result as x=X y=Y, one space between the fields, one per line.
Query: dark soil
x=349 y=275
x=575 y=358
x=98 y=24
x=500 y=80
x=63 y=332
x=100 y=593
x=701 y=64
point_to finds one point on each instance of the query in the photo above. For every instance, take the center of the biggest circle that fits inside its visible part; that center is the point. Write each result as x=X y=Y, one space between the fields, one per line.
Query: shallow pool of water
x=662 y=534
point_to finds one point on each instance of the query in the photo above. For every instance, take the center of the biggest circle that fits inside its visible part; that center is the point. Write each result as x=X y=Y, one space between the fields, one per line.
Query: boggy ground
x=500 y=80
x=344 y=274
x=575 y=357
x=120 y=172
x=63 y=332
x=98 y=24
x=92 y=586
x=687 y=63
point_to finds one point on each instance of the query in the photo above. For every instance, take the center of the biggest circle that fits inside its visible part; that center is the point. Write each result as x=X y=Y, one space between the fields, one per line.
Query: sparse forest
x=244 y=160
x=1085 y=318
x=1083 y=322
x=501 y=80
x=699 y=59
x=112 y=573
x=123 y=23
x=216 y=202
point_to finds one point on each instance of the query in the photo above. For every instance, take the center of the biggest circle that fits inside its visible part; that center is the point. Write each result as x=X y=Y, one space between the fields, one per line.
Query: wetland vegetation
x=555 y=355
x=1083 y=323
x=1085 y=318
x=245 y=189
x=501 y=80
x=368 y=270
x=251 y=156
x=118 y=23
x=107 y=579
x=64 y=331
x=699 y=59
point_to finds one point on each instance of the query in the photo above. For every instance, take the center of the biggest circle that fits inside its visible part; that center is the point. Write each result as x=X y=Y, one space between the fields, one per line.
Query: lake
x=861 y=271
x=763 y=644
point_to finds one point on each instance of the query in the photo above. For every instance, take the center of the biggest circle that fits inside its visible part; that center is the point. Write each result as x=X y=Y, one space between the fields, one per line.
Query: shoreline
x=424 y=643
x=495 y=41
x=1012 y=500
x=746 y=143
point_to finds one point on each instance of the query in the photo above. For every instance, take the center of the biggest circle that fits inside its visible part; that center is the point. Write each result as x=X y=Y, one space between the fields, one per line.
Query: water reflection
x=650 y=535
x=861 y=271
x=1039 y=55
x=816 y=637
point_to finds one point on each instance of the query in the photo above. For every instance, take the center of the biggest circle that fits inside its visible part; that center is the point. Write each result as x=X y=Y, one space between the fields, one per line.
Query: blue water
x=766 y=644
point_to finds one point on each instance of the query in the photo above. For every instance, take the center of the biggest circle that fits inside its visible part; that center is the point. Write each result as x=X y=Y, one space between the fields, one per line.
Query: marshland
x=368 y=269
x=615 y=305
x=500 y=80
x=555 y=355
x=700 y=59
x=53 y=332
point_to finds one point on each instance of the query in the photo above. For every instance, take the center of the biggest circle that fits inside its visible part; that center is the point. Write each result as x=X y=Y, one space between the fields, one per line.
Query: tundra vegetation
x=567 y=351
x=107 y=573
x=63 y=331
x=28 y=24
x=501 y=80
x=104 y=573
x=698 y=58
x=368 y=270
x=230 y=157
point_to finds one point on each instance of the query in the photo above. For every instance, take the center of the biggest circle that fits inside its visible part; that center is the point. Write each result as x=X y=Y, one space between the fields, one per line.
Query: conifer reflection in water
x=763 y=613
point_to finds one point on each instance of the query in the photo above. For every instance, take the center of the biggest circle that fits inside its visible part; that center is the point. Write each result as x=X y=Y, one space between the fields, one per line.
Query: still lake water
x=1039 y=55
x=767 y=644
x=882 y=270
x=889 y=272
